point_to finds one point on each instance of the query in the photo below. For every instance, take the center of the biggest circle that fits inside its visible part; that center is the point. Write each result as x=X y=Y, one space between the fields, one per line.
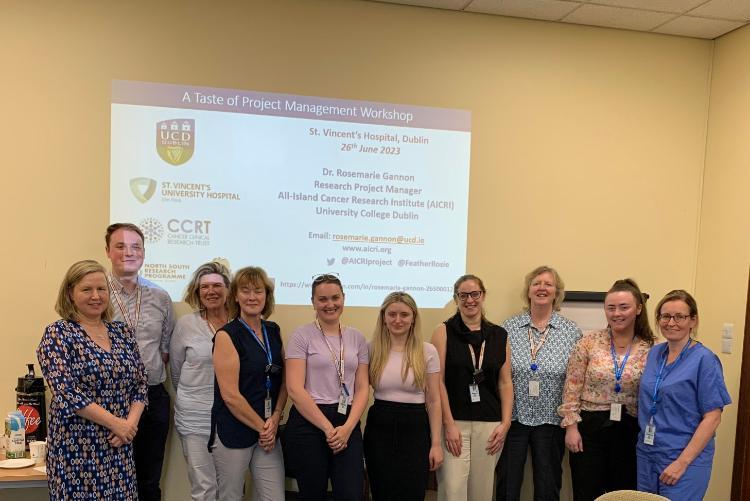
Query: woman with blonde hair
x=249 y=394
x=402 y=438
x=541 y=341
x=192 y=370
x=99 y=390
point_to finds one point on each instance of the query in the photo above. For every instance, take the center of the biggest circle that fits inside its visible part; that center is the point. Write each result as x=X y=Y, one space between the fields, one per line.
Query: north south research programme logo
x=152 y=229
x=143 y=188
x=175 y=140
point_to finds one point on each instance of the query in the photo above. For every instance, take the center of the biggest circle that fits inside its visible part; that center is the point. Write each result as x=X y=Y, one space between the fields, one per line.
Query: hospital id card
x=474 y=392
x=615 y=411
x=649 y=434
x=534 y=388
x=343 y=403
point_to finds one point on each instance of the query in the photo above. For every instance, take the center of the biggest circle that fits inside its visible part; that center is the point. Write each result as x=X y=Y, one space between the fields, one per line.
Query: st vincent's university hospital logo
x=143 y=188
x=175 y=140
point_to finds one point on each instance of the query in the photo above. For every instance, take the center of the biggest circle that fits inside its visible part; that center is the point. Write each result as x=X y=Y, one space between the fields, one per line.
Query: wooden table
x=22 y=478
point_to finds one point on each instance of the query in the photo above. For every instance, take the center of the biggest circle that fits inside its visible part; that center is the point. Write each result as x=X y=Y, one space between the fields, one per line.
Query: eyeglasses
x=325 y=277
x=463 y=296
x=678 y=318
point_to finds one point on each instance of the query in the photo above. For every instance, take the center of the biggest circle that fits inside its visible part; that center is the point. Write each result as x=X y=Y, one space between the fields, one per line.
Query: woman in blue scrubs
x=681 y=397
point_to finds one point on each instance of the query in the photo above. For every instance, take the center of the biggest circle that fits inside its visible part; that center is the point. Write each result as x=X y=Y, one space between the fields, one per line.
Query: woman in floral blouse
x=600 y=398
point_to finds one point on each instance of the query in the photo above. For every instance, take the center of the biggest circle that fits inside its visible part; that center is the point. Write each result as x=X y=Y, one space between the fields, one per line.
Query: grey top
x=155 y=324
x=192 y=370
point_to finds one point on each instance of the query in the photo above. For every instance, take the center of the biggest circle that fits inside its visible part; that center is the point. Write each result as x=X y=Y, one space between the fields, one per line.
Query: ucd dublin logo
x=142 y=188
x=175 y=140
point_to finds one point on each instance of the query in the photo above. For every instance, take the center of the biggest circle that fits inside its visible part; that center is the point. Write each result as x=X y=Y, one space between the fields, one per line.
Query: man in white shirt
x=148 y=311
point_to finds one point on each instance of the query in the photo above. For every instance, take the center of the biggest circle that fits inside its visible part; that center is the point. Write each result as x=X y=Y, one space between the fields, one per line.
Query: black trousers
x=547 y=444
x=608 y=461
x=397 y=448
x=308 y=458
x=149 y=443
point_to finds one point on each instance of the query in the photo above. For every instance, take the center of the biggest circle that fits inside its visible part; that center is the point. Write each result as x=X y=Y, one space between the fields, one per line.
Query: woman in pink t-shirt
x=326 y=375
x=402 y=437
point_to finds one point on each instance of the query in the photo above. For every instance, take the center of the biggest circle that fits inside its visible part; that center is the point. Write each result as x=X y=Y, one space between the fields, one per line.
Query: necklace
x=619 y=345
x=211 y=327
x=98 y=332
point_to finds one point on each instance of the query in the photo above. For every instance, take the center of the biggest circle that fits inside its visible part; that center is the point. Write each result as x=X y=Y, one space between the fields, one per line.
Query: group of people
x=468 y=405
x=631 y=414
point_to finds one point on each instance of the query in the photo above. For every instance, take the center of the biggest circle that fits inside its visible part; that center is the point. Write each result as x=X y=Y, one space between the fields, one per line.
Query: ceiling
x=707 y=19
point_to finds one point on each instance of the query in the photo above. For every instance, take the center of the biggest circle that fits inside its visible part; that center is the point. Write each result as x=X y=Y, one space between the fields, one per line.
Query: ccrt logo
x=152 y=229
x=199 y=227
x=175 y=140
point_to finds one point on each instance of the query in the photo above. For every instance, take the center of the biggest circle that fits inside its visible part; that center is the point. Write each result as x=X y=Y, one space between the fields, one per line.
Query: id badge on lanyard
x=649 y=434
x=267 y=407
x=534 y=385
x=266 y=347
x=268 y=402
x=338 y=365
x=615 y=411
x=343 y=401
x=474 y=392
x=615 y=408
x=478 y=375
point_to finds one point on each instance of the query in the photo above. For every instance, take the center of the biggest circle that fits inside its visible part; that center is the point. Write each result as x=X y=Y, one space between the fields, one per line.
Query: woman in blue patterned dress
x=98 y=384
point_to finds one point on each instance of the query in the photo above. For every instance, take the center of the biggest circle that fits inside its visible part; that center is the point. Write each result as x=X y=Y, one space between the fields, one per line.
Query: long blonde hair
x=381 y=344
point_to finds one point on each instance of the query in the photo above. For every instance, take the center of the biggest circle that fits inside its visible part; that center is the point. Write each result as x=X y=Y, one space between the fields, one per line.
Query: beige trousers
x=470 y=476
x=267 y=469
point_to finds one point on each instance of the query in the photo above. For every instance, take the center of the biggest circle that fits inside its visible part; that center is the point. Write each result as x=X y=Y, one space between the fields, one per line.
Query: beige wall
x=724 y=245
x=587 y=154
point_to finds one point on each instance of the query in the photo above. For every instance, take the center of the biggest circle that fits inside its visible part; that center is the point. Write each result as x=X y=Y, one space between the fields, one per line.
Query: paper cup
x=38 y=451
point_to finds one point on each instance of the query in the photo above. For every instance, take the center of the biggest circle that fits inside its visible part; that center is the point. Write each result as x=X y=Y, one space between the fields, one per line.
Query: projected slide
x=299 y=185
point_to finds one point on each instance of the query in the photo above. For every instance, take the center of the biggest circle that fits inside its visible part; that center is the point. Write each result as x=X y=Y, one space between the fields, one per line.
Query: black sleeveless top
x=459 y=369
x=233 y=433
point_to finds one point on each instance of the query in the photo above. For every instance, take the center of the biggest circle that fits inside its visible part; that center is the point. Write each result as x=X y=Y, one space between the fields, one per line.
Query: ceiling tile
x=699 y=27
x=616 y=17
x=438 y=4
x=550 y=10
x=736 y=10
x=674 y=6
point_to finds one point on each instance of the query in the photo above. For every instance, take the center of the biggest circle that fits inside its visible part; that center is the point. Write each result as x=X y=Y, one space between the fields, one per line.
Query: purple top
x=392 y=388
x=321 y=379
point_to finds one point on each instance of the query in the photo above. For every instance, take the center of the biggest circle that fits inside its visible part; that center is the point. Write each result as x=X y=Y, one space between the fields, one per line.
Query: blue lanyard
x=265 y=346
x=661 y=376
x=618 y=368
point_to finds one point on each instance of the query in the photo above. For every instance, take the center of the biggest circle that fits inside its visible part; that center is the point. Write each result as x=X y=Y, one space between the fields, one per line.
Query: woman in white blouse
x=193 y=373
